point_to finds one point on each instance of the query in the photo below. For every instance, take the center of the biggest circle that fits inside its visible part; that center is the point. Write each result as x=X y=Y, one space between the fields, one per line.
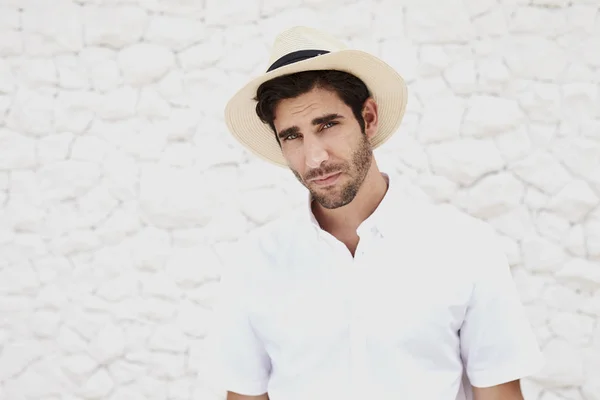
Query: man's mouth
x=326 y=179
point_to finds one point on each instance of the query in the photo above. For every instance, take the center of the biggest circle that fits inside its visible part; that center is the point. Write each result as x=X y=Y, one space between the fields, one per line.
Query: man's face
x=323 y=145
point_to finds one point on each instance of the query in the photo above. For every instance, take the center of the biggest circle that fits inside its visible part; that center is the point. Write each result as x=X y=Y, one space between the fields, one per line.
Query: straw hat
x=302 y=49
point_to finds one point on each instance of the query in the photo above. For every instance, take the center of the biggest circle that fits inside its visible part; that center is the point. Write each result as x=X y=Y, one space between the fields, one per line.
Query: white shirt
x=425 y=309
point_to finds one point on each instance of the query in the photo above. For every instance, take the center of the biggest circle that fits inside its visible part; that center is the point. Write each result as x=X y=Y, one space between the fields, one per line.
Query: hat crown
x=303 y=38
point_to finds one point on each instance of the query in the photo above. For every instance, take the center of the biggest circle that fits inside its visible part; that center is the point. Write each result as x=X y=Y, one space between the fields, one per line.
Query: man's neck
x=345 y=220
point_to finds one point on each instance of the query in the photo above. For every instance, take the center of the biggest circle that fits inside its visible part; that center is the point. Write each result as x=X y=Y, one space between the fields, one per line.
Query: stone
x=75 y=111
x=108 y=345
x=59 y=23
x=535 y=57
x=402 y=55
x=67 y=179
x=114 y=26
x=491 y=24
x=263 y=205
x=514 y=144
x=493 y=74
x=538 y=21
x=168 y=338
x=44 y=324
x=168 y=200
x=98 y=386
x=71 y=73
x=118 y=104
x=144 y=63
x=576 y=329
x=574 y=201
x=145 y=139
x=11 y=43
x=574 y=241
x=127 y=393
x=432 y=59
x=151 y=105
x=489 y=116
x=194 y=320
x=192 y=267
x=541 y=255
x=75 y=242
x=461 y=77
x=582 y=272
x=174 y=32
x=447 y=23
x=78 y=366
x=580 y=100
x=9 y=18
x=552 y=226
x=121 y=174
x=120 y=223
x=543 y=171
x=7 y=79
x=169 y=366
x=160 y=285
x=119 y=288
x=564 y=366
x=17 y=356
x=493 y=195
x=54 y=148
x=439 y=188
x=124 y=371
x=179 y=154
x=429 y=89
x=170 y=88
x=465 y=161
x=105 y=76
x=31 y=113
x=580 y=156
x=541 y=101
x=441 y=120
x=19 y=279
x=231 y=11
x=69 y=341
x=592 y=234
x=150 y=248
x=151 y=387
x=88 y=148
x=16 y=150
x=34 y=72
x=203 y=54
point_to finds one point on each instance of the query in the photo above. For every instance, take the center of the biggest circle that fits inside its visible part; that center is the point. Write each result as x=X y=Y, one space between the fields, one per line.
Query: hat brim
x=387 y=88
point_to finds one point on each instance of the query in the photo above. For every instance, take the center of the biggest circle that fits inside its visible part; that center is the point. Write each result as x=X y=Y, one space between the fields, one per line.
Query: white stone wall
x=119 y=184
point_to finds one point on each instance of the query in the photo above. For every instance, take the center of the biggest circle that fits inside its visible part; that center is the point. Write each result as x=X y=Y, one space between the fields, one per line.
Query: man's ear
x=370 y=116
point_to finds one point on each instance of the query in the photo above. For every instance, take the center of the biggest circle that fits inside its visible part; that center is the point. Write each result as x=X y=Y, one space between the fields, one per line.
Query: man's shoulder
x=270 y=239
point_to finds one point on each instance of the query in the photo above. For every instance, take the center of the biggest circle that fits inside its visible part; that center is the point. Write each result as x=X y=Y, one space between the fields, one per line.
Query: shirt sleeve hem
x=488 y=378
x=247 y=388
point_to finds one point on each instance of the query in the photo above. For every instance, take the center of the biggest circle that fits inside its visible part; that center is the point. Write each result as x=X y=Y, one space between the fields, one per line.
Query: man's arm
x=505 y=391
x=235 y=396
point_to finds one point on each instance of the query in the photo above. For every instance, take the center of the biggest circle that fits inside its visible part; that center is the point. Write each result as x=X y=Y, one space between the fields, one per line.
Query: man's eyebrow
x=326 y=118
x=288 y=131
x=316 y=121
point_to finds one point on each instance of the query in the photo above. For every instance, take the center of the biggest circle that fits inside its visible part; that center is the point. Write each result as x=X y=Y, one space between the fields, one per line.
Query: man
x=364 y=293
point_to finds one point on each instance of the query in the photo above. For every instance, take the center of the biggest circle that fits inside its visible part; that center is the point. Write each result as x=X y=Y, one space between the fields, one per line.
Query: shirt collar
x=377 y=222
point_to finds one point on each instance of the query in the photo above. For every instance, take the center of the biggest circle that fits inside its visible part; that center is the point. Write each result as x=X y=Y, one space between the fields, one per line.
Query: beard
x=356 y=169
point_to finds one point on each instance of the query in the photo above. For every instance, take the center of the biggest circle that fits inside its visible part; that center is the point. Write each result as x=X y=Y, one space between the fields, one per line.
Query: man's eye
x=329 y=125
x=291 y=136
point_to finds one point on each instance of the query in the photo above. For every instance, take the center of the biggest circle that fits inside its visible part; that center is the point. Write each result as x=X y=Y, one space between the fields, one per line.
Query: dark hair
x=348 y=87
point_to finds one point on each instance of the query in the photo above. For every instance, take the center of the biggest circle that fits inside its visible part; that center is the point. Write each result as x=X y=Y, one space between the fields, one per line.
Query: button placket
x=358 y=329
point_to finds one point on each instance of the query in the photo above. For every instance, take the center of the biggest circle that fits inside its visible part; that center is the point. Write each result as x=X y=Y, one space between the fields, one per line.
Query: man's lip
x=322 y=178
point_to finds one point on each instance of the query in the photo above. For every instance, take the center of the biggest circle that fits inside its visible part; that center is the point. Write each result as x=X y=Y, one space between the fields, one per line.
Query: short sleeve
x=497 y=342
x=243 y=365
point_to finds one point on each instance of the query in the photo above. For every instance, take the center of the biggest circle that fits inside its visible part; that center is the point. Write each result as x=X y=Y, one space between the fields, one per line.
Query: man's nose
x=315 y=152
